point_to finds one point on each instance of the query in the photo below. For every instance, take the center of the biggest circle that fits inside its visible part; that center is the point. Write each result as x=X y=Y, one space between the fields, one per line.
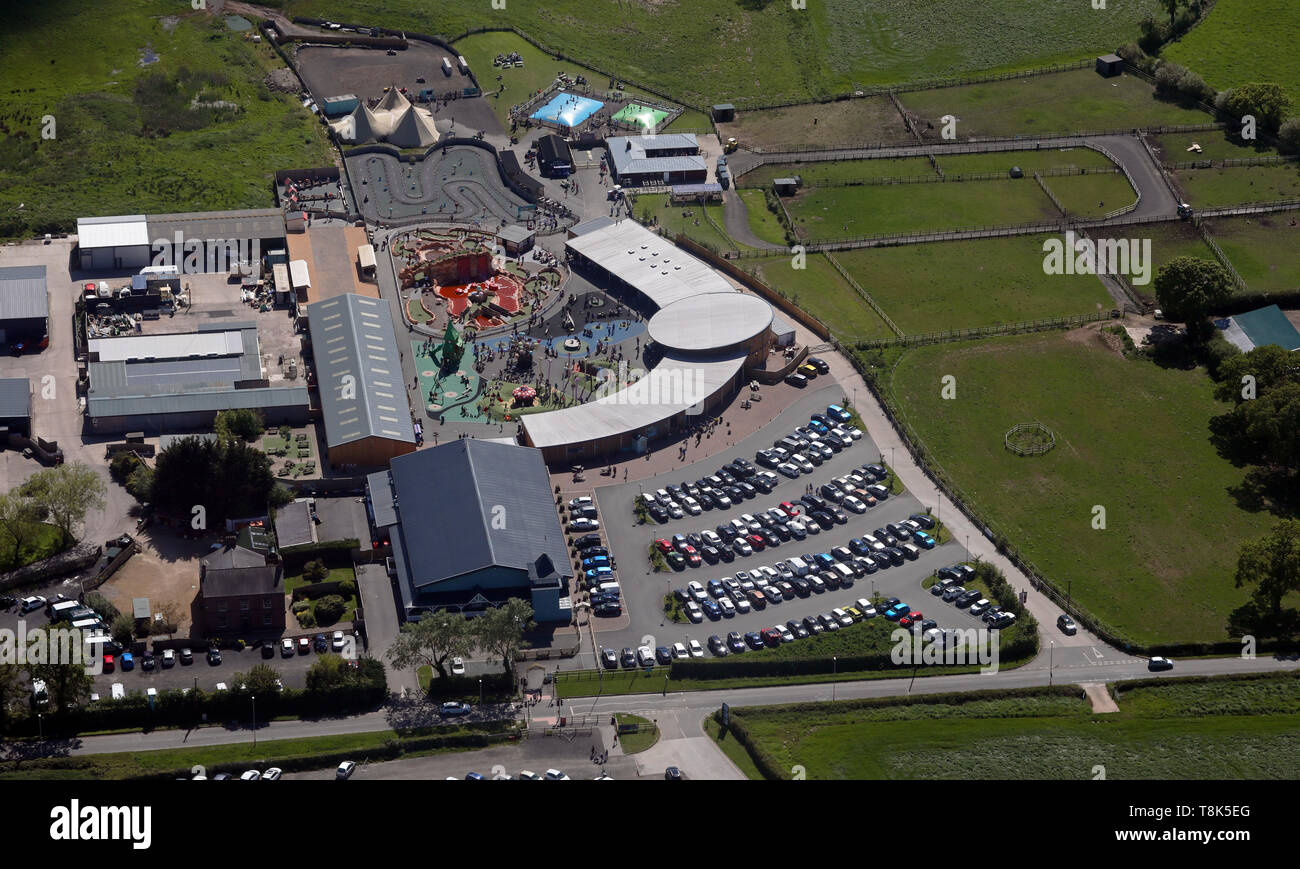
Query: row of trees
x=437 y=638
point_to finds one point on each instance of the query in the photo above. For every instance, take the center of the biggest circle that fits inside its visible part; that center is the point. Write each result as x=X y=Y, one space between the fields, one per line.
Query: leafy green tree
x=16 y=518
x=500 y=631
x=123 y=630
x=329 y=609
x=1269 y=366
x=1271 y=566
x=1188 y=289
x=68 y=492
x=140 y=484
x=315 y=571
x=244 y=423
x=432 y=641
x=1269 y=102
x=229 y=479
x=1288 y=136
x=69 y=685
x=100 y=604
x=261 y=679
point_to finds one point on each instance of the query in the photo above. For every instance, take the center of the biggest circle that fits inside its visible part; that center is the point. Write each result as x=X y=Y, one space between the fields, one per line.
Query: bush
x=1288 y=136
x=329 y=609
x=140 y=484
x=315 y=571
x=307 y=619
x=123 y=630
x=122 y=465
x=348 y=588
x=301 y=606
x=244 y=422
x=100 y=604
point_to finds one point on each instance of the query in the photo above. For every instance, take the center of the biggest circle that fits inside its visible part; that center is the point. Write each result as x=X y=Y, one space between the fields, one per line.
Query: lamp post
x=254 y=699
x=835 y=668
x=1051 y=660
x=480 y=691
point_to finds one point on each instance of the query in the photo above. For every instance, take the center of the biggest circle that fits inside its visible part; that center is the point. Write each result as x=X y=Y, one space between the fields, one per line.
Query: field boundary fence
x=993 y=331
x=1267 y=160
x=1050 y=195
x=1222 y=257
x=857 y=288
x=943 y=176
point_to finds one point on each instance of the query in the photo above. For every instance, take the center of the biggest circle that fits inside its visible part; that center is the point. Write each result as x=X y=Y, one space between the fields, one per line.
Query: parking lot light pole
x=1051 y=659
x=480 y=692
x=835 y=667
x=254 y=699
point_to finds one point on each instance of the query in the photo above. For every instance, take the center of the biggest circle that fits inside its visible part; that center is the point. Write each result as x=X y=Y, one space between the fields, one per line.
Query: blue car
x=838 y=413
x=595 y=561
x=923 y=540
x=600 y=574
x=818 y=426
x=128 y=662
x=711 y=609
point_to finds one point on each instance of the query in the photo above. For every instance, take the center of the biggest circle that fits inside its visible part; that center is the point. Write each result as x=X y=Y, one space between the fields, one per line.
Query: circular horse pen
x=1029 y=439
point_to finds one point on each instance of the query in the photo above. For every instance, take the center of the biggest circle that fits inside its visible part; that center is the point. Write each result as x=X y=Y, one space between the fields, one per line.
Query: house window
x=221 y=606
x=243 y=604
x=221 y=621
x=268 y=603
x=266 y=620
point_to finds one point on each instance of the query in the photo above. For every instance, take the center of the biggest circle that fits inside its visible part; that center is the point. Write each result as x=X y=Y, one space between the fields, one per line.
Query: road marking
x=1097 y=654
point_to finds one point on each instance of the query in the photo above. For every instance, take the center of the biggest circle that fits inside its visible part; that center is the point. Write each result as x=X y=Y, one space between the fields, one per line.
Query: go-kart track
x=459 y=182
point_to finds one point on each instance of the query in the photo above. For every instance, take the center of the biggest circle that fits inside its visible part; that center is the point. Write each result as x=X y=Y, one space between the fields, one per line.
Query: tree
x=1288 y=136
x=1188 y=289
x=245 y=423
x=16 y=520
x=261 y=679
x=140 y=484
x=432 y=641
x=123 y=630
x=315 y=571
x=171 y=613
x=1263 y=427
x=1269 y=366
x=1271 y=564
x=228 y=478
x=501 y=630
x=68 y=492
x=1267 y=101
x=100 y=604
x=329 y=609
x=68 y=684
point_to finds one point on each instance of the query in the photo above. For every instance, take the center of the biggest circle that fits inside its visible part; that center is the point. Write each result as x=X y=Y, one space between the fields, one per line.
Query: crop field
x=821 y=291
x=815 y=173
x=1132 y=437
x=1237 y=185
x=1092 y=195
x=1262 y=249
x=196 y=128
x=719 y=50
x=1039 y=105
x=1028 y=161
x=1233 y=45
x=1212 y=730
x=831 y=212
x=859 y=122
x=964 y=284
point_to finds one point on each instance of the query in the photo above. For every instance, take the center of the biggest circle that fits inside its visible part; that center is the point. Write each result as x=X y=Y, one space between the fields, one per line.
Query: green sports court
x=644 y=115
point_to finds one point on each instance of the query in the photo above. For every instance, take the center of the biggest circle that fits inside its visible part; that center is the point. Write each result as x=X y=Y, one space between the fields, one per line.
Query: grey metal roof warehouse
x=22 y=293
x=15 y=398
x=645 y=155
x=472 y=504
x=245 y=223
x=362 y=393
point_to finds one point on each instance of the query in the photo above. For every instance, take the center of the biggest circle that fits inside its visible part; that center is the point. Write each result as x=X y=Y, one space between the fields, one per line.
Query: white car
x=528 y=775
x=168 y=657
x=842 y=617
x=787 y=635
x=28 y=604
x=345 y=770
x=556 y=775
x=854 y=432
x=584 y=501
x=697 y=591
x=457 y=667
x=250 y=775
x=584 y=525
x=979 y=606
x=728 y=608
x=789 y=470
x=337 y=643
x=711 y=538
x=691 y=506
x=675 y=510
x=854 y=503
x=222 y=686
x=693 y=612
x=679 y=651
x=742 y=604
x=769 y=573
x=801 y=463
x=696 y=650
x=742 y=546
x=843 y=434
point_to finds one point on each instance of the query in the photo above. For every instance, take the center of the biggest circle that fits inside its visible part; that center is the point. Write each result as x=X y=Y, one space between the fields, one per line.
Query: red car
x=772 y=637
x=789 y=508
x=905 y=622
x=756 y=541
x=664 y=546
x=692 y=557
x=109 y=664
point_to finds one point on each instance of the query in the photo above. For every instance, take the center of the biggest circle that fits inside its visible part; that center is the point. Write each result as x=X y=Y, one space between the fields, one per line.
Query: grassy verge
x=762 y=222
x=39 y=541
x=1237 y=185
x=689 y=220
x=1257 y=247
x=734 y=751
x=635 y=743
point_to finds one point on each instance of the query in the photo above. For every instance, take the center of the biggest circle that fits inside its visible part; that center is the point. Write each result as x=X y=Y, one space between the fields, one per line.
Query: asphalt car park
x=291 y=670
x=644 y=589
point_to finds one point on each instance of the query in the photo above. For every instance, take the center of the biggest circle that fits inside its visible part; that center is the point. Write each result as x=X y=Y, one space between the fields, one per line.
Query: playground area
x=567 y=109
x=643 y=116
x=460 y=183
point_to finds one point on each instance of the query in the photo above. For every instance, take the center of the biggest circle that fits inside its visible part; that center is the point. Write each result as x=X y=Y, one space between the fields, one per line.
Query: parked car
x=304 y=646
x=187 y=657
x=168 y=658
x=321 y=643
x=1067 y=625
x=286 y=648
x=345 y=770
x=214 y=656
x=454 y=709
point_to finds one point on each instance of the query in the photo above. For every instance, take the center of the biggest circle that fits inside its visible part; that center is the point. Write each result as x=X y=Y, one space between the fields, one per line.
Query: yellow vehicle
x=730 y=145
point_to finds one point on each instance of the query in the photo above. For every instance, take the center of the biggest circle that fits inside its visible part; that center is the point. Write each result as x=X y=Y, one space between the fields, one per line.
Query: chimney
x=272 y=557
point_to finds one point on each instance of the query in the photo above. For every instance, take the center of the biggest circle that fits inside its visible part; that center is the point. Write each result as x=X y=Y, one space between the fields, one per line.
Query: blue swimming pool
x=568 y=109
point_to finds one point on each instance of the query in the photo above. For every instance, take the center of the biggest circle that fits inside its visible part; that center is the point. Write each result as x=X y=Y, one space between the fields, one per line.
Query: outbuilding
x=1109 y=65
x=24 y=306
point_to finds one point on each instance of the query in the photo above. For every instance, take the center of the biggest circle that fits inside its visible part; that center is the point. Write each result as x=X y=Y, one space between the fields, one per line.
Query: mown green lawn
x=1262 y=249
x=107 y=155
x=762 y=222
x=1132 y=438
x=1078 y=100
x=39 y=541
x=1238 y=185
x=1243 y=41
x=1214 y=144
x=821 y=291
x=818 y=172
x=1092 y=195
x=835 y=212
x=964 y=284
x=689 y=220
x=1028 y=161
x=520 y=82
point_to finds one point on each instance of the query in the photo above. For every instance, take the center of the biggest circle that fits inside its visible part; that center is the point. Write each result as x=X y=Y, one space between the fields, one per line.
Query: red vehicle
x=905 y=622
x=757 y=541
x=789 y=508
x=109 y=664
x=692 y=557
x=772 y=637
x=664 y=546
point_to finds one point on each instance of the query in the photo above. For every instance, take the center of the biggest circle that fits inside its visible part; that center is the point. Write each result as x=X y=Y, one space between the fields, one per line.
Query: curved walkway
x=735 y=217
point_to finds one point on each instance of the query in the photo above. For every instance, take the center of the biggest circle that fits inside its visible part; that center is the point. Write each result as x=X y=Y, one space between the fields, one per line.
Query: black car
x=628 y=658
x=695 y=540
x=926 y=522
x=899 y=531
x=830 y=578
x=822 y=518
x=877 y=472
x=797 y=379
x=885 y=537
x=831 y=441
x=1067 y=625
x=896 y=556
x=814 y=502
x=747 y=490
x=838 y=514
x=797 y=628
x=659 y=514
x=726 y=476
x=321 y=643
x=812 y=625
x=766 y=458
x=147 y=661
x=734 y=493
x=755 y=640
x=769 y=537
x=709 y=554
x=728 y=554
x=801 y=586
x=214 y=656
x=867 y=563
x=735 y=642
x=664 y=655
x=813 y=456
x=268 y=650
x=819 y=364
x=782 y=531
x=676 y=560
x=717 y=646
x=187 y=656
x=967 y=599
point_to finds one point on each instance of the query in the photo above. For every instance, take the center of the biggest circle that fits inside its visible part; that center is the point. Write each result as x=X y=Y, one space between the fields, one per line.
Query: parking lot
x=643 y=589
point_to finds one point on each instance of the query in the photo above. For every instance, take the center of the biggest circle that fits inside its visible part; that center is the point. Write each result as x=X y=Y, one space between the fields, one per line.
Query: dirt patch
x=165 y=570
x=1099 y=697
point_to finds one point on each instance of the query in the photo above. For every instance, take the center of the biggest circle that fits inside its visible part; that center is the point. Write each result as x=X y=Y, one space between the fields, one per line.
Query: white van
x=645 y=656
x=606 y=587
x=844 y=572
x=119 y=692
x=87 y=625
x=798 y=565
x=159 y=271
x=60 y=610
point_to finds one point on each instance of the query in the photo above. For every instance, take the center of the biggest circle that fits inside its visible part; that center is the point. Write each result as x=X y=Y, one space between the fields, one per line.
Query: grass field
x=1092 y=195
x=719 y=50
x=1034 y=106
x=1028 y=161
x=1131 y=437
x=687 y=220
x=1172 y=147
x=635 y=743
x=40 y=541
x=1173 y=239
x=833 y=212
x=762 y=222
x=690 y=119
x=520 y=83
x=814 y=173
x=964 y=284
x=1214 y=730
x=1237 y=185
x=820 y=291
x=860 y=122
x=130 y=138
x=1262 y=249
x=1243 y=41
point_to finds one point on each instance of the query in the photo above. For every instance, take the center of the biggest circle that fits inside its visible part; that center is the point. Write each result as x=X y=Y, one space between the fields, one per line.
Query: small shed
x=140 y=609
x=786 y=186
x=1110 y=65
x=516 y=239
x=724 y=112
x=16 y=406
